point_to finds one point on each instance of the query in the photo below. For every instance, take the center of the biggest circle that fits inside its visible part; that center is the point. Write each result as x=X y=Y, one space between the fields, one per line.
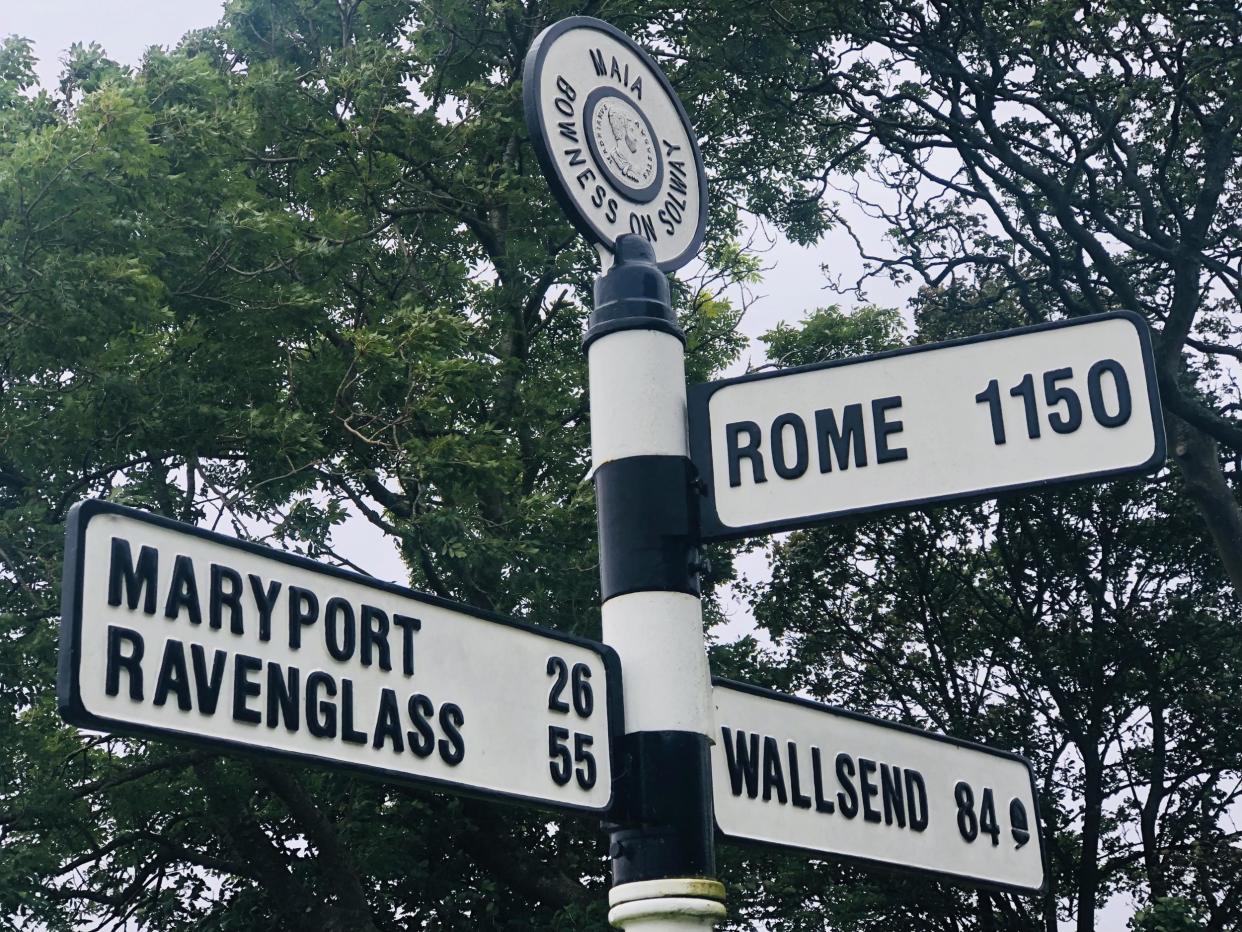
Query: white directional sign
x=1061 y=402
x=798 y=774
x=169 y=630
x=614 y=140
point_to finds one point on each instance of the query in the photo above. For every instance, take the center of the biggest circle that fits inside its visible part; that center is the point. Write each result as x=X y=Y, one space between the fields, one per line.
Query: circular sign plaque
x=613 y=139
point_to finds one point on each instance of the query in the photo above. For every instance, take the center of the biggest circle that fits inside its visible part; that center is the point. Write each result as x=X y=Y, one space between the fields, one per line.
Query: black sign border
x=698 y=397
x=532 y=70
x=73 y=711
x=905 y=870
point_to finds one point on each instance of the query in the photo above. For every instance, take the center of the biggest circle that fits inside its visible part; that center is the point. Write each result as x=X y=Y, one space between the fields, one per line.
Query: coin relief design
x=624 y=142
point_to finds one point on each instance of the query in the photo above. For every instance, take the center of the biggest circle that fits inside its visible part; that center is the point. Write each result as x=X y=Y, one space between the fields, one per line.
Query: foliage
x=303 y=265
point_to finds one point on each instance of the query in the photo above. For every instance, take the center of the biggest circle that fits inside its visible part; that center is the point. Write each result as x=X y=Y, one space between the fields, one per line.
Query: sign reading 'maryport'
x=1063 y=402
x=173 y=631
x=797 y=774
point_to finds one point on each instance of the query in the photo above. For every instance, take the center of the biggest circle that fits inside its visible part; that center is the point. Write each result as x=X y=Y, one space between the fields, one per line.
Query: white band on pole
x=638 y=391
x=659 y=637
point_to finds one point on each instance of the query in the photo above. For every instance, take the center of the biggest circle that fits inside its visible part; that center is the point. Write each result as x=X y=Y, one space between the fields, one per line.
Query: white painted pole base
x=674 y=905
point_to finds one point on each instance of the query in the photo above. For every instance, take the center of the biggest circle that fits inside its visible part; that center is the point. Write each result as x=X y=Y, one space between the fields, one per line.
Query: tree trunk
x=1089 y=865
x=1197 y=456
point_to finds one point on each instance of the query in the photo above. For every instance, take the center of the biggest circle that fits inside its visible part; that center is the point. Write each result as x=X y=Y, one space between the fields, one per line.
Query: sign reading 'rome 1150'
x=1063 y=402
x=173 y=631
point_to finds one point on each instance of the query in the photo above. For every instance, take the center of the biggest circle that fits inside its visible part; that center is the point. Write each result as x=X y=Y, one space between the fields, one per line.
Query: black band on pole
x=646 y=535
x=664 y=824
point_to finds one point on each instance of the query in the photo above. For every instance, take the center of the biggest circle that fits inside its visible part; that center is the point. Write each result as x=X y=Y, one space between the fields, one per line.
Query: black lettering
x=563 y=106
x=452 y=747
x=616 y=70
x=1095 y=392
x=408 y=626
x=335 y=609
x=891 y=793
x=847 y=798
x=183 y=591
x=597 y=59
x=131 y=662
x=637 y=87
x=751 y=452
x=320 y=713
x=568 y=130
x=866 y=768
x=348 y=731
x=850 y=434
x=583 y=177
x=388 y=722
x=135 y=579
x=743 y=762
x=220 y=598
x=773 y=773
x=303 y=610
x=207 y=685
x=822 y=803
x=375 y=636
x=611 y=214
x=244 y=688
x=282 y=697
x=795 y=780
x=422 y=740
x=916 y=800
x=642 y=225
x=575 y=157
x=265 y=601
x=882 y=427
x=565 y=87
x=779 y=463
x=173 y=677
x=677 y=175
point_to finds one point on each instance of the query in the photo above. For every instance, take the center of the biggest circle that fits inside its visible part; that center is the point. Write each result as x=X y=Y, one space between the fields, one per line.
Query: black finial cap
x=633 y=294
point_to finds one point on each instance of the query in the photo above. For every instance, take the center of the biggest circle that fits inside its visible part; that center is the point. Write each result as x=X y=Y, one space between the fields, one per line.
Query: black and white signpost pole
x=620 y=154
x=662 y=851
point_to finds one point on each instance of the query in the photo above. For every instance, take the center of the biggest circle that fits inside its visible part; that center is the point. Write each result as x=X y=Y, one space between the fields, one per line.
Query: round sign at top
x=614 y=140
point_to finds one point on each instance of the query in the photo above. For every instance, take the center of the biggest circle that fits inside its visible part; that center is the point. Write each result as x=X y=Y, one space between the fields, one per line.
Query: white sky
x=794 y=284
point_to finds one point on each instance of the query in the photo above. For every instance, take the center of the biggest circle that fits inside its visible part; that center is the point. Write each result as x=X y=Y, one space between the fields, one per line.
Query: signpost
x=620 y=155
x=798 y=774
x=173 y=631
x=169 y=630
x=1069 y=401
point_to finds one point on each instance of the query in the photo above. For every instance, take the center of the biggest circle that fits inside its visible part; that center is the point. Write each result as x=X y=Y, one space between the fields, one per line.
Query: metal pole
x=662 y=836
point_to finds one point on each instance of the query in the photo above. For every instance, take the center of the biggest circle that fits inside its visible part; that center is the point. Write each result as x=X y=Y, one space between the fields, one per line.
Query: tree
x=1075 y=158
x=1090 y=630
x=304 y=262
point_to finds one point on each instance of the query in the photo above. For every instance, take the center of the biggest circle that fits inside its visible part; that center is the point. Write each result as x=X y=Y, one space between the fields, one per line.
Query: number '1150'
x=1066 y=419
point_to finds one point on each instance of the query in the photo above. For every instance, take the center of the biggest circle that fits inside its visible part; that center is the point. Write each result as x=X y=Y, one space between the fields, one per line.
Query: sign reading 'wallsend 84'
x=798 y=774
x=170 y=630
